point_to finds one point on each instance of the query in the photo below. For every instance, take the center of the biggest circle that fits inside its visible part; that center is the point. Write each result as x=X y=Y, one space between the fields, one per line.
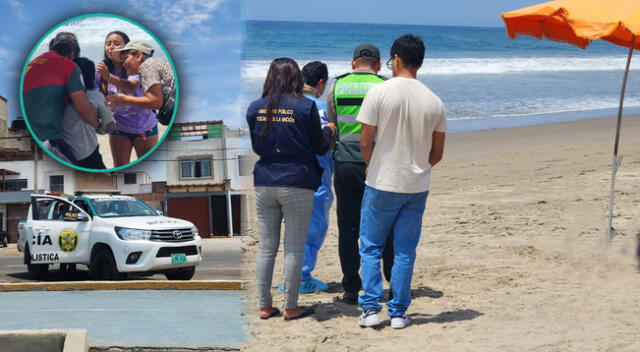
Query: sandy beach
x=513 y=254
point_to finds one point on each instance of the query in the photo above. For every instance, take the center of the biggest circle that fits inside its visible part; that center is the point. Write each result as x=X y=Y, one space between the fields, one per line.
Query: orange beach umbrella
x=578 y=22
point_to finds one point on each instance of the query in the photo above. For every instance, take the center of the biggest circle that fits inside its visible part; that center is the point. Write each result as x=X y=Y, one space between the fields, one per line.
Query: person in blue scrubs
x=315 y=76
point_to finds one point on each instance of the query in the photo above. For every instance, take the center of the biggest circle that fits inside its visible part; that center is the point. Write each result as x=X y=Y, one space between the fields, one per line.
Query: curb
x=64 y=340
x=124 y=285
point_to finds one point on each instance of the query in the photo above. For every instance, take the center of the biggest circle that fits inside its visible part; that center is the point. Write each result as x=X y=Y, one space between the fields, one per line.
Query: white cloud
x=6 y=55
x=175 y=43
x=19 y=9
x=231 y=113
x=178 y=17
x=197 y=109
x=226 y=39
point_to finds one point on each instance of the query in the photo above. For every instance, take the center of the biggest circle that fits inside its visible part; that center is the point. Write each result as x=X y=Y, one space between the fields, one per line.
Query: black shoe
x=350 y=298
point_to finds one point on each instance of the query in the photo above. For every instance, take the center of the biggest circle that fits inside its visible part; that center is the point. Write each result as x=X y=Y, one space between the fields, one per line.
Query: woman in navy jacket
x=286 y=134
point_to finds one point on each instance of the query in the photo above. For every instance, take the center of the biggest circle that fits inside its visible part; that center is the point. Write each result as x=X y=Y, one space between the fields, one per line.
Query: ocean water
x=485 y=79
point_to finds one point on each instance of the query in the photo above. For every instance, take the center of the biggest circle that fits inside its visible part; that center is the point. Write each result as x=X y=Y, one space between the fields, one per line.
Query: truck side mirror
x=82 y=216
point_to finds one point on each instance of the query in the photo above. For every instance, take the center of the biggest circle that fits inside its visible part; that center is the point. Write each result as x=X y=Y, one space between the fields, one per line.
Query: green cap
x=137 y=45
x=368 y=50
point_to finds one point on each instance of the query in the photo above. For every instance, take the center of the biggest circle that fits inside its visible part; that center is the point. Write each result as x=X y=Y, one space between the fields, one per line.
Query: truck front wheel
x=103 y=266
x=36 y=271
x=181 y=274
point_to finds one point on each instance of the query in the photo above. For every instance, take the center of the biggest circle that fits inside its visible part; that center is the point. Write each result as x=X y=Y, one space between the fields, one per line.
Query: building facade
x=202 y=173
x=208 y=176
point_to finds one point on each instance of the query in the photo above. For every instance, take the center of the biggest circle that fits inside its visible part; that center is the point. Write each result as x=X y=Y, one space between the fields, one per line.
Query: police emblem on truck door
x=67 y=241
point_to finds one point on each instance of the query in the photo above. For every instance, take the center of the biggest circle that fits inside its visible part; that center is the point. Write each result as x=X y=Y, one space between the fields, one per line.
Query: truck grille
x=168 y=251
x=172 y=235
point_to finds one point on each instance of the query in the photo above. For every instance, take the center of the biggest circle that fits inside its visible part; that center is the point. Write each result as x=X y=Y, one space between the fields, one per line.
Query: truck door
x=59 y=232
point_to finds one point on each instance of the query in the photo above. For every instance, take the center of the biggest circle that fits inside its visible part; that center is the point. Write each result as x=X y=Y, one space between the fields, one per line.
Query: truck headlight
x=132 y=234
x=194 y=231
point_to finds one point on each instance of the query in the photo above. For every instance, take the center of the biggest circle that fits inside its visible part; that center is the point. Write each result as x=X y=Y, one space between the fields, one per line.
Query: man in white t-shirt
x=403 y=130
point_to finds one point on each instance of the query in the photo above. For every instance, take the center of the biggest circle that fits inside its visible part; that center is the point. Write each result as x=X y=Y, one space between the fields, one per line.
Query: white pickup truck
x=112 y=234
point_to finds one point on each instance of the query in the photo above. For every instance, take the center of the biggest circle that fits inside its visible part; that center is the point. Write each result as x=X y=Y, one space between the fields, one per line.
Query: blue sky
x=202 y=36
x=450 y=12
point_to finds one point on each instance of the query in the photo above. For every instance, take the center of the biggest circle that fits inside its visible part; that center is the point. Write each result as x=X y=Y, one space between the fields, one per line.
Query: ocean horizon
x=485 y=79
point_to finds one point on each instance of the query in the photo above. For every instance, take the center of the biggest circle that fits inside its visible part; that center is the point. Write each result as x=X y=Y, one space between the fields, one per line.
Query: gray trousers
x=272 y=205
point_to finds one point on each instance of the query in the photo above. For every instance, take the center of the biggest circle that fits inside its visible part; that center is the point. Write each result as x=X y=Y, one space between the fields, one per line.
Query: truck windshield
x=111 y=207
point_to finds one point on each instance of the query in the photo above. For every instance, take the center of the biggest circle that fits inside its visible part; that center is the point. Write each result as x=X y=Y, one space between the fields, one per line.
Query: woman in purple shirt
x=136 y=128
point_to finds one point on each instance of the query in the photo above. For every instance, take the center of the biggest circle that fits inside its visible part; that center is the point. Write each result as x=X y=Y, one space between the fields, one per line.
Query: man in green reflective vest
x=343 y=104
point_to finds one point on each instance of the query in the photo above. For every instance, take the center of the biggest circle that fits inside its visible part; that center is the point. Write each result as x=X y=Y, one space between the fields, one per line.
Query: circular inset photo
x=99 y=92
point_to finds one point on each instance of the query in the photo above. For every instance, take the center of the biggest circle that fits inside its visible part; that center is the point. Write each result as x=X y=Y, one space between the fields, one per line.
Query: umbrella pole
x=617 y=160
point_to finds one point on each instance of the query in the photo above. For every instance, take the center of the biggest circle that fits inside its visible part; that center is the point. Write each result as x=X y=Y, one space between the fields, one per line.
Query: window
x=54 y=209
x=121 y=206
x=245 y=165
x=58 y=210
x=13 y=185
x=42 y=208
x=56 y=183
x=83 y=205
x=130 y=179
x=195 y=168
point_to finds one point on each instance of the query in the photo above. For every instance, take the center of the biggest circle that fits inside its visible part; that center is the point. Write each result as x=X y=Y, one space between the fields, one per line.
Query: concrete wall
x=73 y=180
x=244 y=182
x=46 y=166
x=89 y=180
x=188 y=149
x=21 y=144
x=154 y=200
x=4 y=120
x=69 y=184
x=58 y=340
x=210 y=148
x=142 y=185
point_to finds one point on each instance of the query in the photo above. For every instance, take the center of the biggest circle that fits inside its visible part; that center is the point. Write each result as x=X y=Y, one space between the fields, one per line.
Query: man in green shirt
x=50 y=82
x=343 y=104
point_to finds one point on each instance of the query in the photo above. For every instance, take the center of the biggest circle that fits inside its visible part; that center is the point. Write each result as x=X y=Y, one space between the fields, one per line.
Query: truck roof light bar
x=97 y=191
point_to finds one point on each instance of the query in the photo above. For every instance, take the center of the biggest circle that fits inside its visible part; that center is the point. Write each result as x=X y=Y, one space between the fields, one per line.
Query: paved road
x=220 y=261
x=188 y=319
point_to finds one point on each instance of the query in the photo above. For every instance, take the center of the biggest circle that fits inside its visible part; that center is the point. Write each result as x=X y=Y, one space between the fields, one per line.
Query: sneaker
x=369 y=318
x=400 y=322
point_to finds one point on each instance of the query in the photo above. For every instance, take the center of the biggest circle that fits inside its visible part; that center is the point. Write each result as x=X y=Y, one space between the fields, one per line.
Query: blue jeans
x=381 y=212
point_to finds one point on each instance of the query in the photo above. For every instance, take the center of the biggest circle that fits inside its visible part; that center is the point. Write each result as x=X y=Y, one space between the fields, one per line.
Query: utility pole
x=227 y=183
x=35 y=166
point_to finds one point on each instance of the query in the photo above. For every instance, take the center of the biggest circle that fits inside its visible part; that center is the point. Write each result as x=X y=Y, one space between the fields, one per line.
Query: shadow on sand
x=338 y=308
